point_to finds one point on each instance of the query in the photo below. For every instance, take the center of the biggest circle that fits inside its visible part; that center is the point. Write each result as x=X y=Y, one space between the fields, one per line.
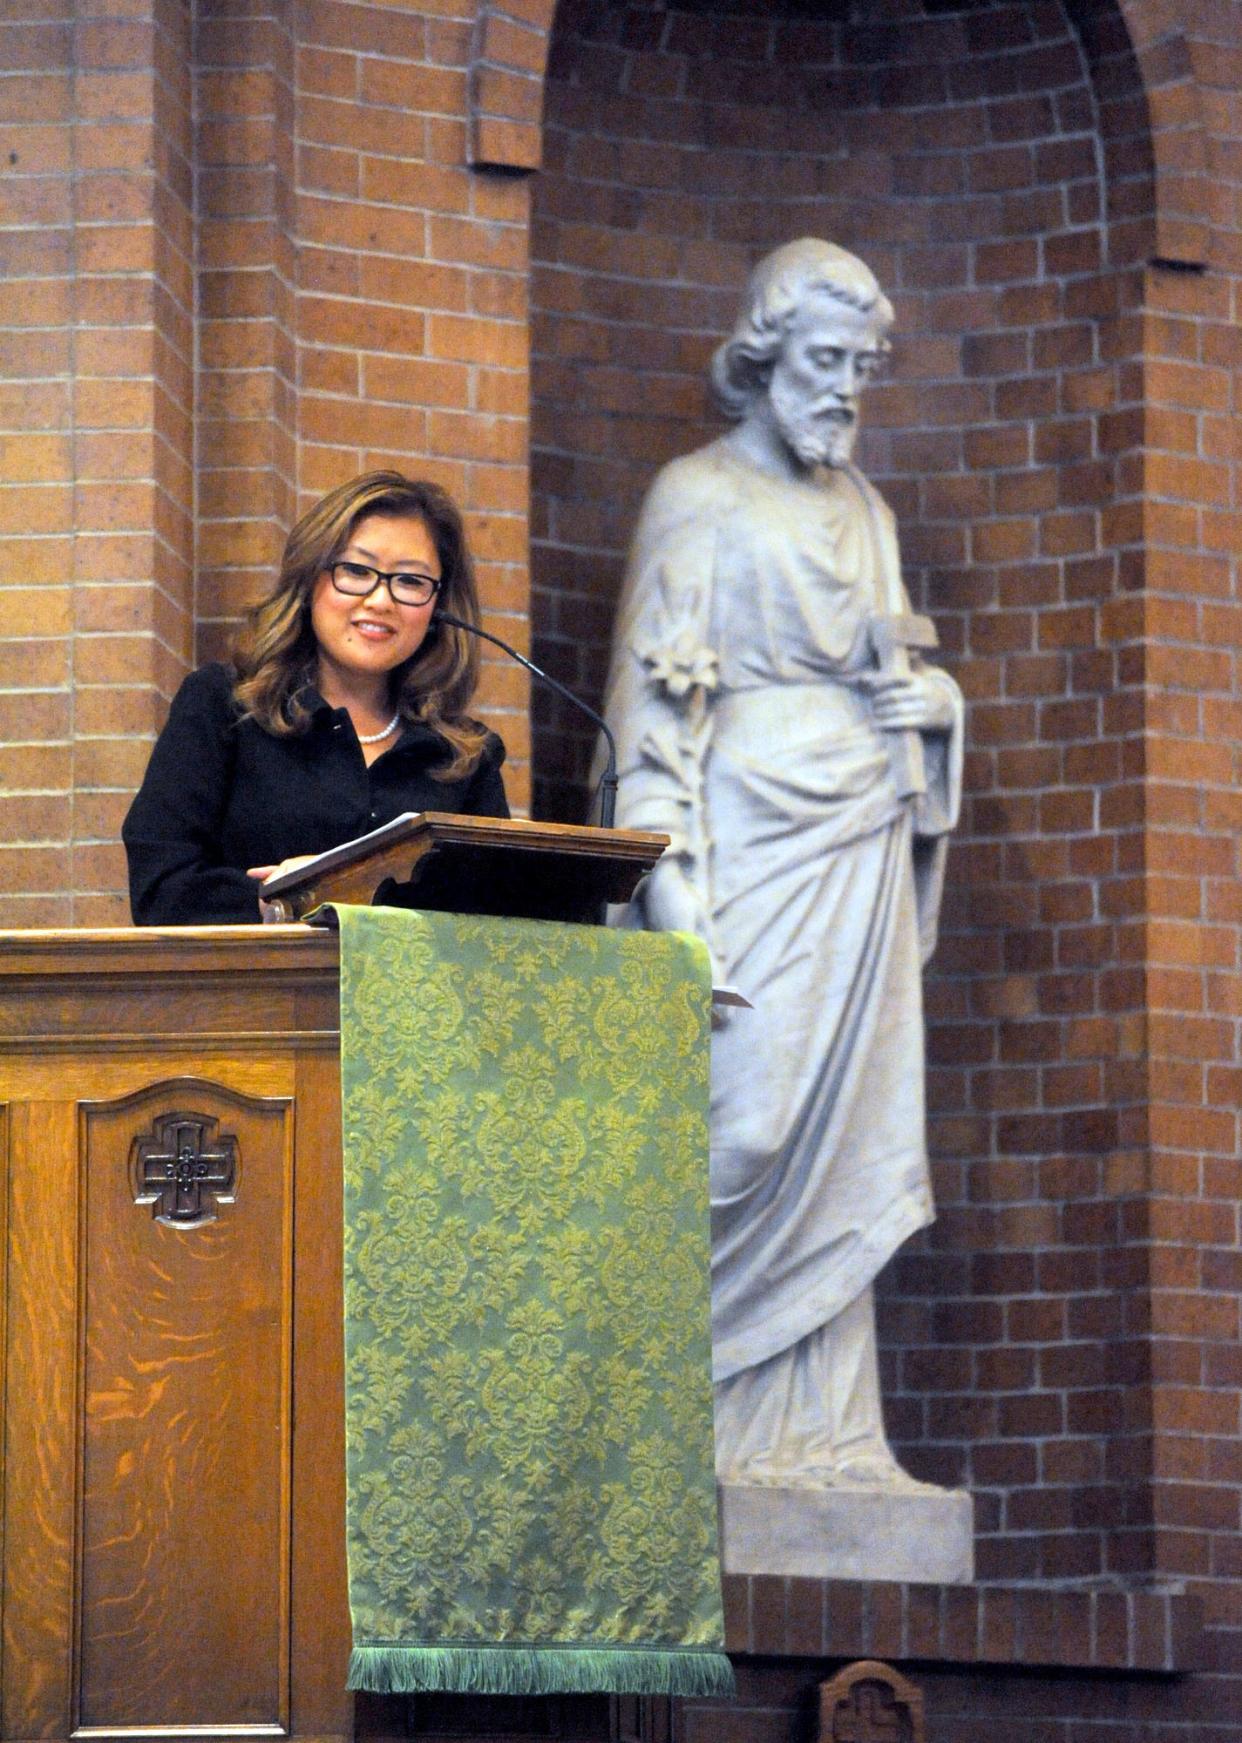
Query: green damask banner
x=531 y=1492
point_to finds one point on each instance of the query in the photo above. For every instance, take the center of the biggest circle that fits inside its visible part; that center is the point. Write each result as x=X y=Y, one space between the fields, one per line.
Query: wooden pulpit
x=170 y=1326
x=477 y=865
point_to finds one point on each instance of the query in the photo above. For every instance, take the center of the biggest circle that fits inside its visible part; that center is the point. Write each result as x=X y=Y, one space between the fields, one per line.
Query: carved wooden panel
x=186 y=1431
x=321 y=1633
x=515 y=1718
x=173 y=1542
x=39 y=1420
x=642 y=1719
x=4 y=1227
x=506 y=1719
x=869 y=1702
x=184 y=1167
x=4 y=1347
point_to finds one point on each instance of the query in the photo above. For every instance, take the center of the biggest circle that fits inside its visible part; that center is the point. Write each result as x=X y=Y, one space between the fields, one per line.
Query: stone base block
x=922 y=1535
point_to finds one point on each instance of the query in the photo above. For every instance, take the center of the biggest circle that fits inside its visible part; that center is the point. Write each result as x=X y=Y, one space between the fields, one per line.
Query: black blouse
x=221 y=793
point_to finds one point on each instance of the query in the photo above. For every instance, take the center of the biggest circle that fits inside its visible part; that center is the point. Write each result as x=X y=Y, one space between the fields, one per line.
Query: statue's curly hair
x=275 y=653
x=777 y=287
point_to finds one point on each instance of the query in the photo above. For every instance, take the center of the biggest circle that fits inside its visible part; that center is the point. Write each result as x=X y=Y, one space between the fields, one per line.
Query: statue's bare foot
x=870 y=1469
x=758 y=1474
x=878 y=1471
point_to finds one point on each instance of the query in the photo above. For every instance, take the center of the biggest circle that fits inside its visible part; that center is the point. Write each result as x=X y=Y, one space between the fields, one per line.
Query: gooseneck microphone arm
x=608 y=781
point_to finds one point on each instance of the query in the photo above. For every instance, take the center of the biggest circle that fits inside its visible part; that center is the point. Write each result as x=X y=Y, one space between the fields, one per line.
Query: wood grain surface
x=40 y=1419
x=186 y=1429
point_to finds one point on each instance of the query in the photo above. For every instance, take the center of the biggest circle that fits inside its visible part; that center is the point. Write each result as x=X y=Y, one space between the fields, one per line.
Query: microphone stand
x=608 y=781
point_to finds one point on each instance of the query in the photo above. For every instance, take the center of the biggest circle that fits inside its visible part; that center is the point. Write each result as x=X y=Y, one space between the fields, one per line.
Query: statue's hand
x=671 y=903
x=913 y=703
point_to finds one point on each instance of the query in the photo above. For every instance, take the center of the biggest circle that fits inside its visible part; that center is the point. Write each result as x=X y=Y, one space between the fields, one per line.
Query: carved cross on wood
x=870 y=1718
x=183 y=1169
x=870 y=1703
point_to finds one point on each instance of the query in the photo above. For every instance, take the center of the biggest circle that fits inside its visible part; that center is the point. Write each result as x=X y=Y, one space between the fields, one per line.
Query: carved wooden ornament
x=184 y=1169
x=869 y=1702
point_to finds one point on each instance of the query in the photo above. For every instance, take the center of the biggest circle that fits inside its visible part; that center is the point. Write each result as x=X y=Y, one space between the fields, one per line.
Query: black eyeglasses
x=358 y=582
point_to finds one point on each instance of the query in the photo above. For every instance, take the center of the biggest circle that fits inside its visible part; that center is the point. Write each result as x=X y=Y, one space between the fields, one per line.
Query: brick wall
x=1058 y=436
x=1192 y=529
x=243 y=259
x=36 y=307
x=246 y=458
x=403 y=276
x=96 y=488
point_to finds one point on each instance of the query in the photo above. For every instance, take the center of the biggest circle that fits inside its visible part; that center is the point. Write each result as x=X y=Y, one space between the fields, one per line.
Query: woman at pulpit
x=346 y=704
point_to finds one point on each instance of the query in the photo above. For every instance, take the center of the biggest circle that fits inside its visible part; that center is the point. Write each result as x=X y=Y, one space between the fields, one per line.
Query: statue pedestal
x=922 y=1535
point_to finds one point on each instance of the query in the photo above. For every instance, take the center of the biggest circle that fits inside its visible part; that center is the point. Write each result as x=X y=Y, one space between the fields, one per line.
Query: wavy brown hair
x=275 y=652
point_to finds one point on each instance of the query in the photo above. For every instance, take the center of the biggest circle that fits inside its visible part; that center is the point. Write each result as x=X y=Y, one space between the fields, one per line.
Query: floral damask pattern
x=527 y=1327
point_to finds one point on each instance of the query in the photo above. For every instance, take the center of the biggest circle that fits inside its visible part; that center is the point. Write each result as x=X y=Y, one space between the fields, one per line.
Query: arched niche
x=1144 y=70
x=1012 y=170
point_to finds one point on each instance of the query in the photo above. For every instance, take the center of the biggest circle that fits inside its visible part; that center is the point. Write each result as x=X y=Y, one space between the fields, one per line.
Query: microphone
x=608 y=780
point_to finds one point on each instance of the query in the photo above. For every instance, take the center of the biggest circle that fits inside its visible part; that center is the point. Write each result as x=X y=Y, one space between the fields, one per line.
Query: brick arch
x=1153 y=130
x=1151 y=115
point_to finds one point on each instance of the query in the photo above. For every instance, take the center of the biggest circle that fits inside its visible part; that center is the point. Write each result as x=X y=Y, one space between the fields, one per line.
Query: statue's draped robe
x=820 y=882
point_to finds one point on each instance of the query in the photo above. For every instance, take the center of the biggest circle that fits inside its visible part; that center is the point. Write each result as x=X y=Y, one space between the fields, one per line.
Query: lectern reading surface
x=475 y=865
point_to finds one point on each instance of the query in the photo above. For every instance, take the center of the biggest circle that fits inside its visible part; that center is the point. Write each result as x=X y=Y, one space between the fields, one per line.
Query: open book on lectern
x=474 y=865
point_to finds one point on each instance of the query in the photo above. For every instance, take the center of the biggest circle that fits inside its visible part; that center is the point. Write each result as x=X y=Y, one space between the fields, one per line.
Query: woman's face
x=372 y=636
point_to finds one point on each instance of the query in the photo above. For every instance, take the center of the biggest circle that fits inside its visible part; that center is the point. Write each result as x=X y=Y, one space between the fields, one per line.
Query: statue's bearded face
x=830 y=352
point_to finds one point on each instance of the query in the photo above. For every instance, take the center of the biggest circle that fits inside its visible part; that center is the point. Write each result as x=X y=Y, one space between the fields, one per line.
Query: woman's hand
x=913 y=703
x=265 y=872
x=268 y=911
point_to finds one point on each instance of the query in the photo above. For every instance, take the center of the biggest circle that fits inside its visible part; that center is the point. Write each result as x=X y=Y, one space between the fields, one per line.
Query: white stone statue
x=775 y=718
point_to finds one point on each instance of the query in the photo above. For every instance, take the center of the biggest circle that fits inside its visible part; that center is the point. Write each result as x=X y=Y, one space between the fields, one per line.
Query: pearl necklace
x=375 y=737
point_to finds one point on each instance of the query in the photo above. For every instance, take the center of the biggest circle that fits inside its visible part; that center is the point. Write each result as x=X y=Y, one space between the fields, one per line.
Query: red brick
x=470 y=340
